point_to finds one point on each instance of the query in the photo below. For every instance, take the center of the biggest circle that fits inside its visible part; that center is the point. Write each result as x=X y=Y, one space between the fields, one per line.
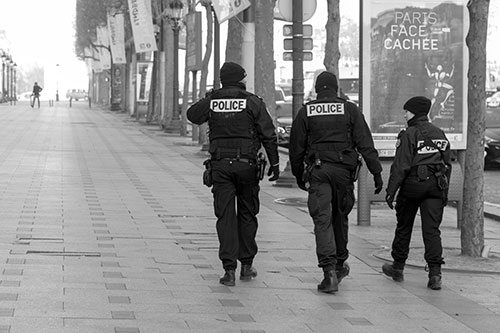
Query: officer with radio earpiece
x=239 y=125
x=327 y=137
x=420 y=171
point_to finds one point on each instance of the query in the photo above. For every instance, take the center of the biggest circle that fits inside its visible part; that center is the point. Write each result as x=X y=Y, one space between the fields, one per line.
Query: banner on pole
x=103 y=42
x=116 y=29
x=414 y=50
x=96 y=62
x=193 y=41
x=225 y=9
x=141 y=19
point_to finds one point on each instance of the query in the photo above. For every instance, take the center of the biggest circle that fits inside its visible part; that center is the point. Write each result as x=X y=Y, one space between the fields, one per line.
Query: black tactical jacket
x=243 y=130
x=333 y=129
x=412 y=151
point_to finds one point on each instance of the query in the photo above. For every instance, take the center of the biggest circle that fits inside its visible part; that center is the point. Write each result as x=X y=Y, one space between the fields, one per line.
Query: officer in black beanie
x=421 y=171
x=326 y=137
x=239 y=125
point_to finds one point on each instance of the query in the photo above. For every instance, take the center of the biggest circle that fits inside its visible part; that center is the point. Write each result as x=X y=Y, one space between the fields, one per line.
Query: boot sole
x=329 y=291
x=397 y=279
x=247 y=277
x=434 y=287
x=228 y=283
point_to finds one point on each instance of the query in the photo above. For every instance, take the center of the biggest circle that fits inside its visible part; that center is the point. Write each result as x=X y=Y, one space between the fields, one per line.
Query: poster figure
x=443 y=89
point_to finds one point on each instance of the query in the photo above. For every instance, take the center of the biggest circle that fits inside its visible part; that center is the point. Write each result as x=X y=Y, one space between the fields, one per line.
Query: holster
x=443 y=182
x=207 y=174
x=442 y=179
x=355 y=172
x=261 y=166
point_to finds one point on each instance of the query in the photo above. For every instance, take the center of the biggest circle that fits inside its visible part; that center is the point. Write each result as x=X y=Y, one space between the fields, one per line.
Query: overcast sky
x=42 y=32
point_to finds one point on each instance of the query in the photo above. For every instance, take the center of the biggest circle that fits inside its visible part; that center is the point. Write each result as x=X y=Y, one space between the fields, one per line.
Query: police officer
x=327 y=135
x=420 y=170
x=239 y=125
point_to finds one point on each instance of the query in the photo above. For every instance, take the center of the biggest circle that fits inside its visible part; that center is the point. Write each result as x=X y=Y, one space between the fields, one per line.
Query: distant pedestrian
x=327 y=136
x=36 y=94
x=421 y=171
x=239 y=125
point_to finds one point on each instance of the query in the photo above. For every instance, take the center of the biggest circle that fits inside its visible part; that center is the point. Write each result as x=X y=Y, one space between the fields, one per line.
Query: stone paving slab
x=106 y=227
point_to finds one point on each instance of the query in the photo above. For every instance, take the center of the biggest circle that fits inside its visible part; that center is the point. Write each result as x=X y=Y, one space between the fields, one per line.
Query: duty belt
x=244 y=160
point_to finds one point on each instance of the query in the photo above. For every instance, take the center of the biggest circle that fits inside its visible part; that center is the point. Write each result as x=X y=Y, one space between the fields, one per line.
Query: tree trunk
x=202 y=138
x=185 y=90
x=168 y=95
x=332 y=53
x=472 y=232
x=264 y=51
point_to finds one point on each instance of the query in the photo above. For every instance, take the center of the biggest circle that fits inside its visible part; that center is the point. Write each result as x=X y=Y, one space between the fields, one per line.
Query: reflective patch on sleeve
x=423 y=149
x=325 y=109
x=228 y=105
x=398 y=143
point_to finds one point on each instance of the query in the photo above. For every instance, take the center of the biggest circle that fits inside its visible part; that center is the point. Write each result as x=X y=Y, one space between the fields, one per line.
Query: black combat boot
x=228 y=278
x=394 y=271
x=434 y=278
x=247 y=272
x=342 y=271
x=329 y=283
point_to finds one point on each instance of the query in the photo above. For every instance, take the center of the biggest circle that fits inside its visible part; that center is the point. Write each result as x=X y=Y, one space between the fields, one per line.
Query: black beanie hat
x=326 y=80
x=418 y=105
x=231 y=72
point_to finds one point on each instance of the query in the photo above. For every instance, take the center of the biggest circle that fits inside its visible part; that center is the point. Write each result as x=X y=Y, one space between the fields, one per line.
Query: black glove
x=389 y=198
x=301 y=184
x=275 y=171
x=378 y=183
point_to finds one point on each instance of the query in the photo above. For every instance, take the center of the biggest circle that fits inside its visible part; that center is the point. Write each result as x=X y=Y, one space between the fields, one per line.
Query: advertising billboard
x=414 y=48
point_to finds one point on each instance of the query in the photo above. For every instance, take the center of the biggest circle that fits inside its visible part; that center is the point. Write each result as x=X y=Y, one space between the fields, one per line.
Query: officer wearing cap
x=420 y=170
x=326 y=137
x=239 y=125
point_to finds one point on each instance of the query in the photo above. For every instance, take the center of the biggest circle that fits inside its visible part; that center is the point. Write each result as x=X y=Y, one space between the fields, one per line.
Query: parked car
x=287 y=90
x=283 y=106
x=77 y=94
x=493 y=101
x=492 y=147
x=347 y=86
x=283 y=127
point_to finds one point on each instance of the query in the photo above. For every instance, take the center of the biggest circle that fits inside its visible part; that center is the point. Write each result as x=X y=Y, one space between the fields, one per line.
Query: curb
x=443 y=268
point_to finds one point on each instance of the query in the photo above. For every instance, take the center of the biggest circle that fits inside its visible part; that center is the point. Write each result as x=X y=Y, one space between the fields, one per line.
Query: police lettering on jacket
x=228 y=105
x=423 y=149
x=325 y=109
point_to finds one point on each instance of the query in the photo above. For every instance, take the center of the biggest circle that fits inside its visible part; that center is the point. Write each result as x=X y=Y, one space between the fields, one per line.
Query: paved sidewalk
x=106 y=227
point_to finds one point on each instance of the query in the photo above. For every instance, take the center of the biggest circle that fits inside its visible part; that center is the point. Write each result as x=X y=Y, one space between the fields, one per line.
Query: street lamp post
x=14 y=82
x=3 y=77
x=7 y=78
x=174 y=12
x=57 y=82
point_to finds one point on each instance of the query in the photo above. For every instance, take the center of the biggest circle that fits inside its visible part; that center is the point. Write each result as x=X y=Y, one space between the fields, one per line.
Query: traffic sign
x=300 y=56
x=283 y=10
x=307 y=30
x=307 y=43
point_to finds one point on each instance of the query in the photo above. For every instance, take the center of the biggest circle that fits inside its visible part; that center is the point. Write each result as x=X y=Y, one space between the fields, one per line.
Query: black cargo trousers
x=236 y=205
x=330 y=200
x=426 y=195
